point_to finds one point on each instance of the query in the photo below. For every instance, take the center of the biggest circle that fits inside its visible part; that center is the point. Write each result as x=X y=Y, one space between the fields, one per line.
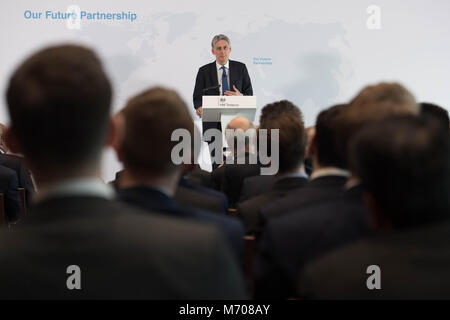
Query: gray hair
x=218 y=38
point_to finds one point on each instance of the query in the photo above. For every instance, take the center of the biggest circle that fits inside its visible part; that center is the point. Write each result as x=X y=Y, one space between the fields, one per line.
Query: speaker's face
x=222 y=51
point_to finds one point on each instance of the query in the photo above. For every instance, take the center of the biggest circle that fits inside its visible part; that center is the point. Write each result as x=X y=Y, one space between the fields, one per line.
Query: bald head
x=240 y=123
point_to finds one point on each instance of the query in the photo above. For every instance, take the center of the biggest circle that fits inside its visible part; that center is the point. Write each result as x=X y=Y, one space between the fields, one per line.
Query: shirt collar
x=85 y=186
x=329 y=171
x=294 y=175
x=227 y=65
x=299 y=174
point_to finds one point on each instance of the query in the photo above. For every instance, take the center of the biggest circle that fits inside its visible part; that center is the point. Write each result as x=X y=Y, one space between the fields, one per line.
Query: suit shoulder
x=162 y=224
x=206 y=66
x=257 y=180
x=222 y=219
x=251 y=203
x=237 y=63
x=6 y=173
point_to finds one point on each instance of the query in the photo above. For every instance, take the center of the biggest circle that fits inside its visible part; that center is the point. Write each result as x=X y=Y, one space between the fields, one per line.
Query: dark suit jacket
x=219 y=199
x=249 y=210
x=17 y=164
x=290 y=241
x=123 y=254
x=207 y=77
x=255 y=185
x=229 y=178
x=192 y=196
x=414 y=265
x=200 y=200
x=9 y=187
x=320 y=190
x=199 y=177
x=150 y=199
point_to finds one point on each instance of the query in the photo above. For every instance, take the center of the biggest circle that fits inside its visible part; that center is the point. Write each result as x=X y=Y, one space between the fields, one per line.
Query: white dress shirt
x=329 y=171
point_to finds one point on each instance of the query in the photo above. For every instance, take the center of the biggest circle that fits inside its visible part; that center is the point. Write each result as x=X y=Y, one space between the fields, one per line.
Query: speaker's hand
x=233 y=93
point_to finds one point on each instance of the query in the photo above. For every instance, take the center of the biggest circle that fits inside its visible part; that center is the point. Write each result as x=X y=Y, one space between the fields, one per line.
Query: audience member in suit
x=329 y=175
x=81 y=244
x=9 y=187
x=290 y=241
x=228 y=178
x=198 y=177
x=200 y=197
x=404 y=166
x=291 y=176
x=258 y=184
x=17 y=164
x=196 y=194
x=151 y=175
x=191 y=195
x=436 y=112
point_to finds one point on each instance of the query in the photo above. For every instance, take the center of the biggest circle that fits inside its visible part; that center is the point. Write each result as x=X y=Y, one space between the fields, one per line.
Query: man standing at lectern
x=221 y=77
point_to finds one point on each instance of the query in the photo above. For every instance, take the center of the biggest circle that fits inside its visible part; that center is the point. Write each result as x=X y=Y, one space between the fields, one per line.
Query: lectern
x=224 y=108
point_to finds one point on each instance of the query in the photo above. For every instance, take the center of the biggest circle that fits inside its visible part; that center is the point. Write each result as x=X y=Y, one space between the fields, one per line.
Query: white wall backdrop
x=315 y=53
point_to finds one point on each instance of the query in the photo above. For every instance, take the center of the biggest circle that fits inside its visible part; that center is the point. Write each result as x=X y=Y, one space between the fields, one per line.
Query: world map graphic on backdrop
x=306 y=71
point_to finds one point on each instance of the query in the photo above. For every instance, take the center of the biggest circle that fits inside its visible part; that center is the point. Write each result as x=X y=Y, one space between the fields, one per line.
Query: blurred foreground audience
x=295 y=238
x=291 y=175
x=17 y=164
x=366 y=188
x=404 y=167
x=430 y=110
x=59 y=104
x=151 y=177
x=270 y=118
x=329 y=171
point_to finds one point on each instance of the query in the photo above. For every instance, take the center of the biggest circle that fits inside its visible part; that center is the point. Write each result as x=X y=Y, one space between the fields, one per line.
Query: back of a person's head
x=404 y=163
x=59 y=103
x=288 y=119
x=434 y=111
x=275 y=109
x=326 y=129
x=373 y=103
x=240 y=123
x=150 y=119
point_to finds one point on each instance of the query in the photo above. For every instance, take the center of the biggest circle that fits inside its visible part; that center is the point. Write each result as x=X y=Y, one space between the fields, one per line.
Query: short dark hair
x=436 y=112
x=275 y=109
x=373 y=103
x=150 y=119
x=287 y=117
x=326 y=130
x=59 y=102
x=404 y=162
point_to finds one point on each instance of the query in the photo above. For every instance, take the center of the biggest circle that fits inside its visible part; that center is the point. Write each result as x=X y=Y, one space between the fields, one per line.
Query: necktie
x=224 y=80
